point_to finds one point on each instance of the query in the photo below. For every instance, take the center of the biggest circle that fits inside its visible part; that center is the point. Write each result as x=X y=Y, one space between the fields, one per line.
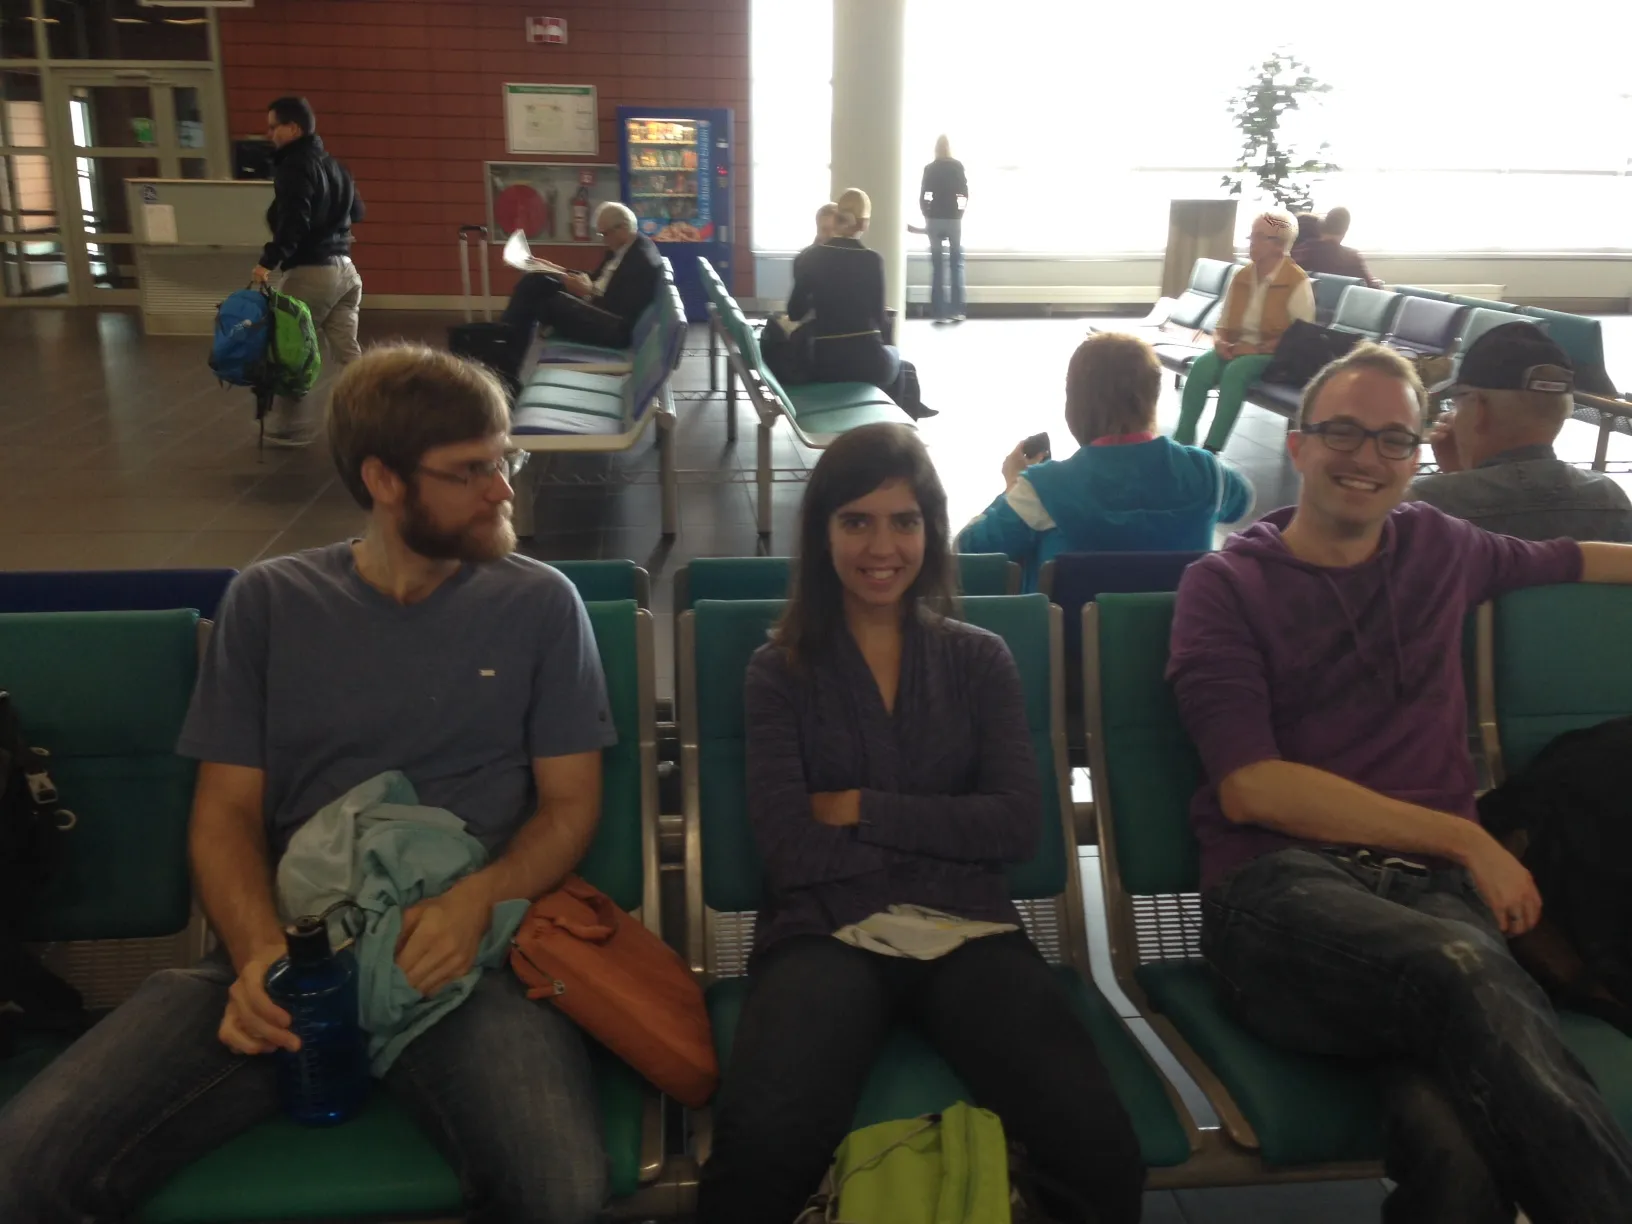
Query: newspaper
x=519 y=255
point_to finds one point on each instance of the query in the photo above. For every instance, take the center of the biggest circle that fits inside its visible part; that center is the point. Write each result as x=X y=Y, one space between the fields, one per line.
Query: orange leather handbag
x=623 y=985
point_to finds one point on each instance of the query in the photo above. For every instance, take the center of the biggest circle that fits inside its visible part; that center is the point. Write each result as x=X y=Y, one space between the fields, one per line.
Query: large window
x=1079 y=122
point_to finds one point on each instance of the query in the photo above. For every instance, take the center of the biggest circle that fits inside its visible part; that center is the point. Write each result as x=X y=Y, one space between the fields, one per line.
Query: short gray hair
x=1365 y=356
x=614 y=209
x=1281 y=222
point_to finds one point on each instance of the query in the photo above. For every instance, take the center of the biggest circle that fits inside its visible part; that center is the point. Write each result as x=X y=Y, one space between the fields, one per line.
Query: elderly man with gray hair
x=1264 y=298
x=1497 y=467
x=593 y=309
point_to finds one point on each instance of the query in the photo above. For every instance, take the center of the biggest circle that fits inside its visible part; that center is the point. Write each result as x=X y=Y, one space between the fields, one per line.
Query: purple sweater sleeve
x=1217 y=671
x=795 y=850
x=1497 y=564
x=1001 y=820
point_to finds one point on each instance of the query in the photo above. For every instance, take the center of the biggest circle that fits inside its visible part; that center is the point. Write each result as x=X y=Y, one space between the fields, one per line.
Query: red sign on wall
x=546 y=30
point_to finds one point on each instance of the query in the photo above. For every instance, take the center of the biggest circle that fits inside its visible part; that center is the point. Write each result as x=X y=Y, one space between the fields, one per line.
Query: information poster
x=551 y=202
x=551 y=119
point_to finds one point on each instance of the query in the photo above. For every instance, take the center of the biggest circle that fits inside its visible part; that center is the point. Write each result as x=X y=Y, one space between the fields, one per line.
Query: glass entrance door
x=124 y=124
x=32 y=264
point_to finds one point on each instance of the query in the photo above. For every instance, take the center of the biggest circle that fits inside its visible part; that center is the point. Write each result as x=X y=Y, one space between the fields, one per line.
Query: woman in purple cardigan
x=890 y=784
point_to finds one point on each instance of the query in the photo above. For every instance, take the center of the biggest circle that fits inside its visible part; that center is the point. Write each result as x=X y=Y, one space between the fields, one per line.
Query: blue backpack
x=242 y=328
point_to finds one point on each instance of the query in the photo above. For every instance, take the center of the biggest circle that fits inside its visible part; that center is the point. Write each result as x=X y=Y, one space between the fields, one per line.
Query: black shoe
x=921 y=412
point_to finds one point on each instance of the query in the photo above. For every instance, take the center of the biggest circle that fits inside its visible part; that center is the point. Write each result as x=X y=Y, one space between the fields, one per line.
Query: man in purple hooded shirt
x=1352 y=905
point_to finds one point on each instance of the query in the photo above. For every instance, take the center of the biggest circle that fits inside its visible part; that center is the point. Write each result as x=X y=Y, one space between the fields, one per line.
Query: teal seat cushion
x=575 y=380
x=984 y=573
x=602 y=403
x=822 y=427
x=1606 y=1053
x=1305 y=1110
x=602 y=581
x=570 y=351
x=910 y=1079
x=105 y=693
x=811 y=398
x=380 y=1164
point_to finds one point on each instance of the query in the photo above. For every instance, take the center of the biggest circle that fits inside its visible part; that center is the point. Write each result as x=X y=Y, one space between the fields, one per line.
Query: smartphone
x=1036 y=446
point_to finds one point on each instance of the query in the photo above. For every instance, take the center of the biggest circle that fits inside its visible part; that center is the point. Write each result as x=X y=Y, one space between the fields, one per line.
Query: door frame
x=57 y=79
x=160 y=80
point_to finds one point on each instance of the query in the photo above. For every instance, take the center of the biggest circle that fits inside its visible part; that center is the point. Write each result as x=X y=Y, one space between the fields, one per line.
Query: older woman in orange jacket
x=1264 y=298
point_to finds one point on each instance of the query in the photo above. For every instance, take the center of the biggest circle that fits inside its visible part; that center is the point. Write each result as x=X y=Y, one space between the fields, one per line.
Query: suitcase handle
x=481 y=234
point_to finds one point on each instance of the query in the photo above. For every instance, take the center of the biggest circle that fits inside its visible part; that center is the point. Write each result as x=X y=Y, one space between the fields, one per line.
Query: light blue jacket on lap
x=1154 y=496
x=378 y=846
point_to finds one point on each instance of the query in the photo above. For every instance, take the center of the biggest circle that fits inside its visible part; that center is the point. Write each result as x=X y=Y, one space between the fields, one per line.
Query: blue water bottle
x=324 y=1082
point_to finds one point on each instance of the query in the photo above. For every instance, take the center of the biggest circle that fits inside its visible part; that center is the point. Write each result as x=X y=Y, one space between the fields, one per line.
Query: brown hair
x=852 y=467
x=398 y=401
x=1111 y=387
x=1365 y=356
x=1336 y=223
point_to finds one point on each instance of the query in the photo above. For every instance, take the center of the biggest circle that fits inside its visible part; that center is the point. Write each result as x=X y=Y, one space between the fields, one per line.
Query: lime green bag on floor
x=947 y=1168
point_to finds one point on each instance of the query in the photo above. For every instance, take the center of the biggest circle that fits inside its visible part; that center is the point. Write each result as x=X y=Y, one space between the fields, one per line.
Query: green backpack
x=945 y=1168
x=293 y=361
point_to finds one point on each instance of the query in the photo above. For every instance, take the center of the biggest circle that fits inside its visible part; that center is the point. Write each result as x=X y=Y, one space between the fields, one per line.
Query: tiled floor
x=119 y=450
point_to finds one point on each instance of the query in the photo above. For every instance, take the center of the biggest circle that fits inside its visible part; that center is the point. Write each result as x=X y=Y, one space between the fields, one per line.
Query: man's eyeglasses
x=1346 y=437
x=476 y=472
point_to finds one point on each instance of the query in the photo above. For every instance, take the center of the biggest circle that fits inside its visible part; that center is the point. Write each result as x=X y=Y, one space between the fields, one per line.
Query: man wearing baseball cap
x=1495 y=450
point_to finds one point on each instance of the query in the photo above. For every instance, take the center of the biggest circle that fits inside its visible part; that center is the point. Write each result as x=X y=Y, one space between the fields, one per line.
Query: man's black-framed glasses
x=477 y=471
x=1346 y=437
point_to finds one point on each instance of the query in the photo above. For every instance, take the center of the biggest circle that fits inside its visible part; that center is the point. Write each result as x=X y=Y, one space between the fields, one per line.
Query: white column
x=869 y=69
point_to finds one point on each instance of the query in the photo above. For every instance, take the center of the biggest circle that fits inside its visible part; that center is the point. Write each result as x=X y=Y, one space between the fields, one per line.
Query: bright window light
x=1079 y=122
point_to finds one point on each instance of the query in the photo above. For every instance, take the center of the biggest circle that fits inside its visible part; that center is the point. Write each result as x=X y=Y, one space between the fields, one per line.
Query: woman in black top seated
x=891 y=783
x=842 y=282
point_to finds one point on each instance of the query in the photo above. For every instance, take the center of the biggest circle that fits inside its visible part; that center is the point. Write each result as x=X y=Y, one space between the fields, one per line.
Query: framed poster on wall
x=552 y=203
x=551 y=119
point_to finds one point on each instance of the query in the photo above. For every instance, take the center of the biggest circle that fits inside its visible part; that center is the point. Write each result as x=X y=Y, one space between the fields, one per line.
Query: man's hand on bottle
x=253 y=1024
x=441 y=936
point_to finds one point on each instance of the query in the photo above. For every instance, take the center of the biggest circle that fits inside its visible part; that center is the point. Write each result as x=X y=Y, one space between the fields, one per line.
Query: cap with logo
x=1515 y=357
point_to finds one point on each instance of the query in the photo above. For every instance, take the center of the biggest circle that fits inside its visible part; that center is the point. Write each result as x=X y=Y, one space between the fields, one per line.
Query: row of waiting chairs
x=107 y=692
x=580 y=399
x=1413 y=320
x=815 y=412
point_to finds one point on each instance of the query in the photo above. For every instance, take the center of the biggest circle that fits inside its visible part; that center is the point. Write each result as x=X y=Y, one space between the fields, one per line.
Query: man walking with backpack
x=313 y=208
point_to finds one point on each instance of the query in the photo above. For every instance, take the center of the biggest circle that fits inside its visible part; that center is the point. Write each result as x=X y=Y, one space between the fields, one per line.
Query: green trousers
x=1232 y=379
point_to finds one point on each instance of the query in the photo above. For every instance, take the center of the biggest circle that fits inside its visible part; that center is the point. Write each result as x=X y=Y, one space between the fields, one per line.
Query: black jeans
x=539 y=298
x=817 y=1015
x=1321 y=954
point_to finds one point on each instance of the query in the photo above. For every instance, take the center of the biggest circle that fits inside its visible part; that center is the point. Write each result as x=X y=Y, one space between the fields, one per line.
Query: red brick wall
x=407 y=94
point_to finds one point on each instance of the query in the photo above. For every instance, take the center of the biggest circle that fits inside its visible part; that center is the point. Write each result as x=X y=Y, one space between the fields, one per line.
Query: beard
x=464 y=543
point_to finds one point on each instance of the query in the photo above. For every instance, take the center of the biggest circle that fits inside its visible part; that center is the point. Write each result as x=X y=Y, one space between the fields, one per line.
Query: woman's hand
x=1225 y=348
x=1014 y=464
x=837 y=809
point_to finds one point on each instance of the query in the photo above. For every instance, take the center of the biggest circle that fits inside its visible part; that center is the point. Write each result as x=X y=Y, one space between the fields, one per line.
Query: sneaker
x=959 y=318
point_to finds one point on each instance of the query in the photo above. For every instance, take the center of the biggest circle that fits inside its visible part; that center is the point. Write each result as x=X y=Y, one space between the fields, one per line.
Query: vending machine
x=674 y=163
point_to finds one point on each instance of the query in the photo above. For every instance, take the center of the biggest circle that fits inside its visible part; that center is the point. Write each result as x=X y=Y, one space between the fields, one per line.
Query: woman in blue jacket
x=1125 y=489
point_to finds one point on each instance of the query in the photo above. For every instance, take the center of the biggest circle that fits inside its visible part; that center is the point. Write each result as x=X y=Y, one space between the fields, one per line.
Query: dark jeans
x=1330 y=957
x=945 y=247
x=817 y=1015
x=538 y=298
x=502 y=1085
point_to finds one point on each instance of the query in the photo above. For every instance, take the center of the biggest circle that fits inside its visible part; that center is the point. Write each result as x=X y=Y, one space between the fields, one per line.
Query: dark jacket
x=634 y=284
x=949 y=787
x=944 y=184
x=1333 y=259
x=843 y=283
x=314 y=205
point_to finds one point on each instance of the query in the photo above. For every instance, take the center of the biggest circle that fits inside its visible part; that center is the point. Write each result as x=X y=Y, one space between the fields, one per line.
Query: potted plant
x=1279 y=84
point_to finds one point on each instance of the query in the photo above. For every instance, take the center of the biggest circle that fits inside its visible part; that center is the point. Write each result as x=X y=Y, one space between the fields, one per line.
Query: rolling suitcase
x=498 y=346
